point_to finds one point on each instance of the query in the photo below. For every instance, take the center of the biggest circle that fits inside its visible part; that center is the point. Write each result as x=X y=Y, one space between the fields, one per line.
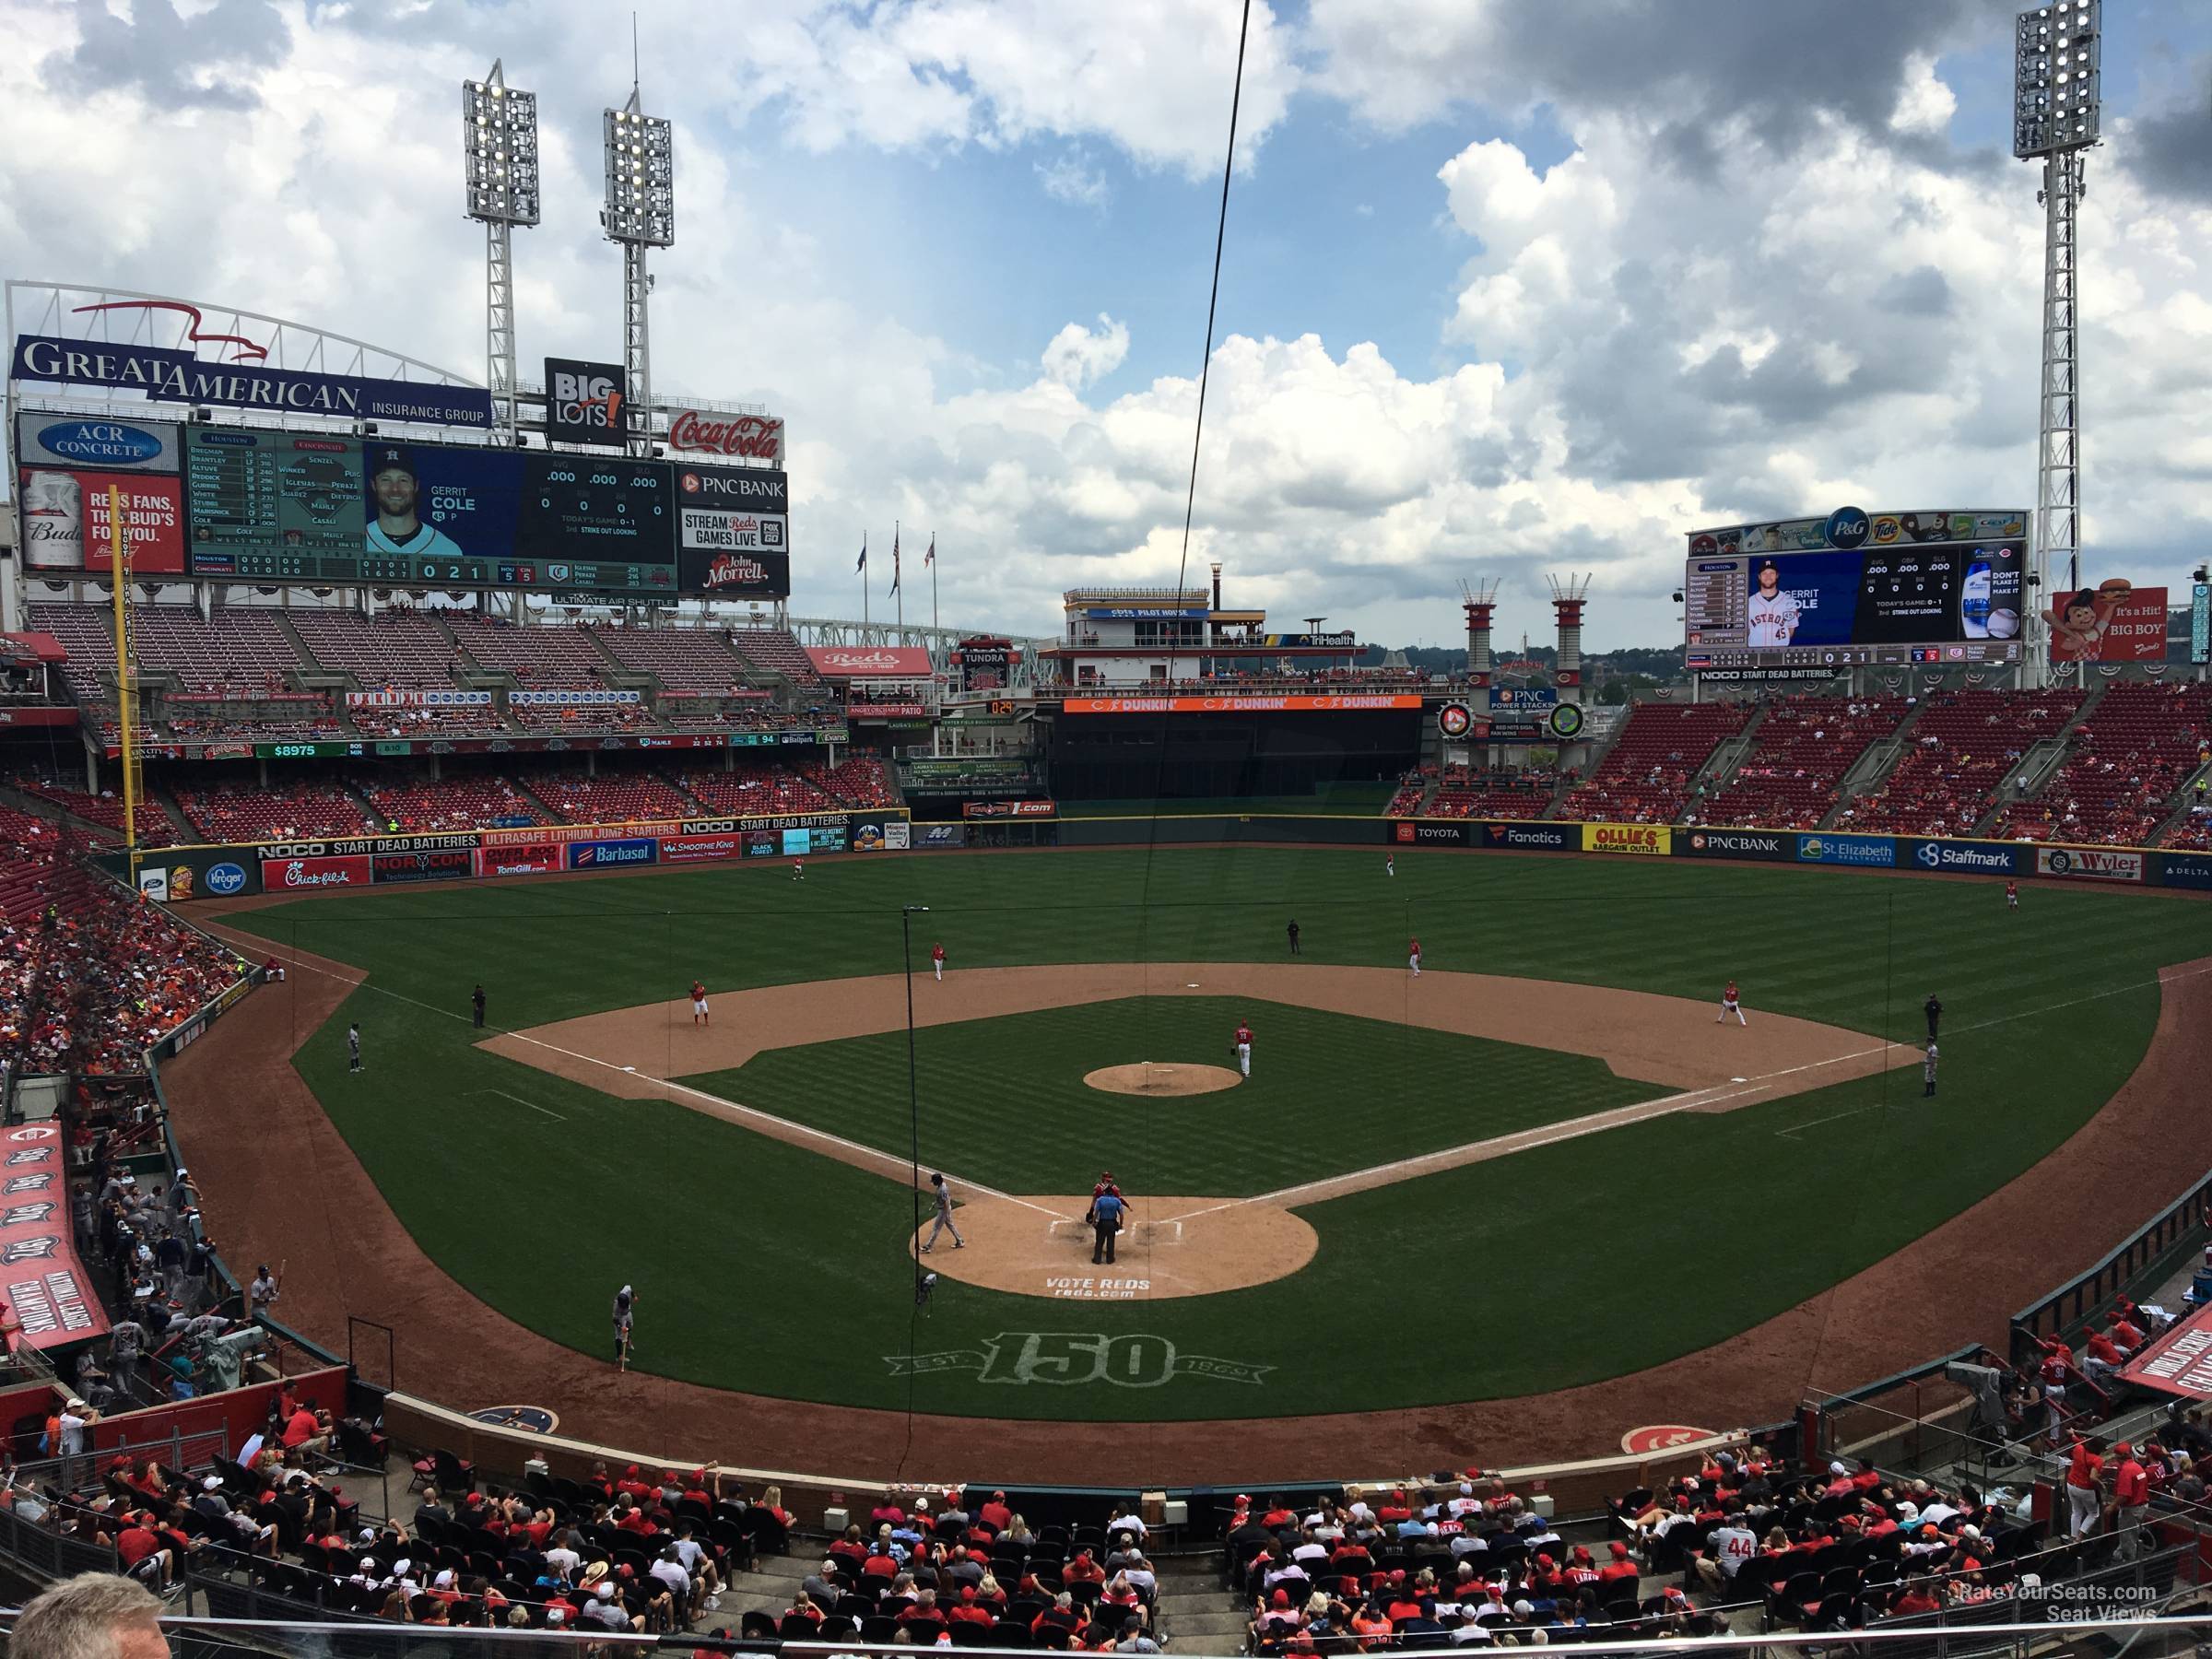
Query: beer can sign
x=53 y=522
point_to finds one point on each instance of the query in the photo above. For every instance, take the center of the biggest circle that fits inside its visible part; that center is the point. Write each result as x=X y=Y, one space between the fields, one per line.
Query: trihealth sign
x=1648 y=840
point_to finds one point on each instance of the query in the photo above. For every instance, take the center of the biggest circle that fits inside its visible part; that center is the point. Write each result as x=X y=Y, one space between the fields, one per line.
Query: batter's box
x=1143 y=1233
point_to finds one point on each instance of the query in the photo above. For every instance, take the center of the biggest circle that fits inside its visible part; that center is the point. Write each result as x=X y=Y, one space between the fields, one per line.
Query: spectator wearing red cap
x=1622 y=1567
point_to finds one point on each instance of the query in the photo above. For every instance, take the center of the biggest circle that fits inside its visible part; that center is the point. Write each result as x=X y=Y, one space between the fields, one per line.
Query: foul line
x=863 y=1157
x=520 y=1101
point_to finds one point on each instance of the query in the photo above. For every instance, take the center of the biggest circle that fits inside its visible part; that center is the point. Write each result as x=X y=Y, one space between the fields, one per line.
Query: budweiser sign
x=745 y=437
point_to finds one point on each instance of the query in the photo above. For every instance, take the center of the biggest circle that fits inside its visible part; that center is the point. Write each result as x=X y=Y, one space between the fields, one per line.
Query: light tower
x=640 y=214
x=2054 y=120
x=499 y=143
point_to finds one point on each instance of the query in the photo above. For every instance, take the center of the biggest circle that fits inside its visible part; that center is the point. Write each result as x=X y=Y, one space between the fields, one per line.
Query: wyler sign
x=586 y=402
x=2089 y=864
x=1647 y=840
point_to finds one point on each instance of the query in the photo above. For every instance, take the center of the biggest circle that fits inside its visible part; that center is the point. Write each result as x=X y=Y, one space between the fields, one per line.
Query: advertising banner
x=215 y=874
x=612 y=854
x=729 y=574
x=870 y=662
x=38 y=717
x=1532 y=838
x=154 y=884
x=1647 y=840
x=418 y=700
x=1873 y=851
x=573 y=700
x=702 y=849
x=2113 y=622
x=1345 y=641
x=1976 y=858
x=749 y=490
x=1008 y=809
x=1520 y=700
x=1291 y=703
x=762 y=843
x=308 y=875
x=179 y=377
x=528 y=858
x=560 y=835
x=898 y=835
x=732 y=530
x=734 y=437
x=938 y=837
x=2180 y=1361
x=867 y=837
x=41 y=1278
x=445 y=840
x=74 y=444
x=2186 y=870
x=1778 y=847
x=587 y=402
x=2090 y=863
x=422 y=867
x=65 y=520
x=1430 y=832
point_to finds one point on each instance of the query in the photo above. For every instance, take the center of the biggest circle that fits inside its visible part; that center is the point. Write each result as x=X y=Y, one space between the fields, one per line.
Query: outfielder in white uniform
x=1413 y=957
x=1390 y=864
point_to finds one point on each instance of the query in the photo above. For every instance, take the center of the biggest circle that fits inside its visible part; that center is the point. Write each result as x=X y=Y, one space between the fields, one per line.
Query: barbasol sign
x=1974 y=858
x=1873 y=851
x=612 y=854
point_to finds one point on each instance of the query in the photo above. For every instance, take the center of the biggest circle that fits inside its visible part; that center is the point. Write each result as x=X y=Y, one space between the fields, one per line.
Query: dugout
x=1222 y=756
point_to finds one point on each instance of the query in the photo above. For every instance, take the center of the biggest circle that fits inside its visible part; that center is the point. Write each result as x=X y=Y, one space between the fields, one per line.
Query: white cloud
x=1066 y=179
x=1078 y=356
x=1924 y=104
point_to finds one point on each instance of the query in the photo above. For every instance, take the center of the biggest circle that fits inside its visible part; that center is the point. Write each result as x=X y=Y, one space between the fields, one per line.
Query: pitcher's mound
x=1156 y=1077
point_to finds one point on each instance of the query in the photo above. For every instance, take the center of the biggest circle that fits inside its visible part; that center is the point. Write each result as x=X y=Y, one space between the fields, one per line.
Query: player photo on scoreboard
x=426 y=500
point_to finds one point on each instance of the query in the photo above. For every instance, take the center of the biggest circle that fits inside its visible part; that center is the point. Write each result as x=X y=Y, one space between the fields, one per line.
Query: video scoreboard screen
x=1799 y=597
x=263 y=505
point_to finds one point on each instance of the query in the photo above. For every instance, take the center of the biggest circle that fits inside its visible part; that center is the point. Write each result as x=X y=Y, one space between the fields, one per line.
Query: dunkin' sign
x=305 y=874
x=741 y=437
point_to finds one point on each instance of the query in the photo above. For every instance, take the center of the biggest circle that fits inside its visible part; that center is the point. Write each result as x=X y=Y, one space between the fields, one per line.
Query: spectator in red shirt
x=995 y=1514
x=2084 y=1500
x=1622 y=1566
x=2126 y=1336
x=138 y=1543
x=2100 y=1358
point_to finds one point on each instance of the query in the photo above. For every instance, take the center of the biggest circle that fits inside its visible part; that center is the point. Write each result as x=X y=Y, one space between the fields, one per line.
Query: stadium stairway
x=2040 y=764
x=1871 y=769
x=1721 y=765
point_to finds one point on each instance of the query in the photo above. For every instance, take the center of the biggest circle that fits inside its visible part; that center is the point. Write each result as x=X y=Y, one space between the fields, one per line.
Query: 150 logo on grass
x=1065 y=1359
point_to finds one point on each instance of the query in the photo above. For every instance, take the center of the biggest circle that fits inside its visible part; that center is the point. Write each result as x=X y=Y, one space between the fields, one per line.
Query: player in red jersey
x=1730 y=1005
x=699 y=1003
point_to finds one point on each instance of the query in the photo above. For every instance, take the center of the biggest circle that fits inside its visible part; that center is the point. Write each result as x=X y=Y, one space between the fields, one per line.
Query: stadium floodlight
x=499 y=147
x=640 y=214
x=2056 y=109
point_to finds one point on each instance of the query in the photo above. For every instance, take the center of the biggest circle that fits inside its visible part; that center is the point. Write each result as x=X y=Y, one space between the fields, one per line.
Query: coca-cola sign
x=740 y=437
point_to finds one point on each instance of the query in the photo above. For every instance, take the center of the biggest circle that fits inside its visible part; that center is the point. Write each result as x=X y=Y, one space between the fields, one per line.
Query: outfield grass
x=2048 y=1010
x=1329 y=1093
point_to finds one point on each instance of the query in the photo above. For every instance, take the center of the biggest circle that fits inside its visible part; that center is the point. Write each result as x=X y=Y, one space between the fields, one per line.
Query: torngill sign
x=741 y=437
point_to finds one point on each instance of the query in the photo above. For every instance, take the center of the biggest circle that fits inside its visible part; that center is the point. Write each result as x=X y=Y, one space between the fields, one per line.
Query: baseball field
x=1543 y=1164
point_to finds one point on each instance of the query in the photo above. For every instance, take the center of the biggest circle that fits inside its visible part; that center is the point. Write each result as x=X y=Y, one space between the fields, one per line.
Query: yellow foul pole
x=118 y=572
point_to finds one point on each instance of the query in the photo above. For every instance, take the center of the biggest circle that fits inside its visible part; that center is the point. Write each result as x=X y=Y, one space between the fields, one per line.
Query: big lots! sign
x=750 y=437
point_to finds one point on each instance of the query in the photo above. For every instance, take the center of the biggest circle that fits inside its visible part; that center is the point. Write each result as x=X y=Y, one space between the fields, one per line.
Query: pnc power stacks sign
x=1646 y=840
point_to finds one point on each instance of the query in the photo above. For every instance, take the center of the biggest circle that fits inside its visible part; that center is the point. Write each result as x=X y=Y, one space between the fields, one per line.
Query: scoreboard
x=261 y=504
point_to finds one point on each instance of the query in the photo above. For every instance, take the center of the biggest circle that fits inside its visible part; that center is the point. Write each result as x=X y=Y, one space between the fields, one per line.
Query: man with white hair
x=93 y=1616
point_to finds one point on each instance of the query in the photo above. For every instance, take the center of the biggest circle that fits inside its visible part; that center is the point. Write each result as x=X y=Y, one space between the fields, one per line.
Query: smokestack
x=1217 y=585
x=1567 y=600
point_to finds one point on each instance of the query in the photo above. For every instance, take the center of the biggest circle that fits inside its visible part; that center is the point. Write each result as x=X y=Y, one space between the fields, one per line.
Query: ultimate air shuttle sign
x=179 y=376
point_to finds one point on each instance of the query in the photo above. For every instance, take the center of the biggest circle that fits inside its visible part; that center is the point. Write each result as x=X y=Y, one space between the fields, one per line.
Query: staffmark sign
x=1978 y=858
x=586 y=402
x=2088 y=863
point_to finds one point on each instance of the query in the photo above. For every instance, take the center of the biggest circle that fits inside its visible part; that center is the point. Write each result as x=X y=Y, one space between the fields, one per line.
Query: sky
x=1510 y=288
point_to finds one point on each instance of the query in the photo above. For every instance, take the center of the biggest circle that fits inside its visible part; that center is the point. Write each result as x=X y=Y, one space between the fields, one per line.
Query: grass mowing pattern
x=1600 y=1255
x=1294 y=1121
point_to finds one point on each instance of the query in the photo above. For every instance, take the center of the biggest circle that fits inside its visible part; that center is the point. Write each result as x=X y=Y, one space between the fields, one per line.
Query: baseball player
x=1771 y=614
x=699 y=1003
x=353 y=1046
x=626 y=1314
x=1100 y=1188
x=397 y=526
x=936 y=960
x=943 y=1224
x=1241 y=1043
x=1390 y=864
x=1413 y=957
x=1730 y=1005
x=798 y=869
x=1927 y=1072
x=2012 y=895
x=1105 y=1223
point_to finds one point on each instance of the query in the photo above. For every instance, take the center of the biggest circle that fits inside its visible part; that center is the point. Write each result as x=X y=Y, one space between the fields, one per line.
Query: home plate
x=1732 y=1079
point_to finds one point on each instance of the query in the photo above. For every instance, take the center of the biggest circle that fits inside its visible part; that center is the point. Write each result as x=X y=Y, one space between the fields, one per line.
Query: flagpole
x=898 y=586
x=933 y=579
x=864 y=580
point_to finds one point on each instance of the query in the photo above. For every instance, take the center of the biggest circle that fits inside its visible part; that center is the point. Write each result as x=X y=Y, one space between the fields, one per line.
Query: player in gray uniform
x=943 y=1224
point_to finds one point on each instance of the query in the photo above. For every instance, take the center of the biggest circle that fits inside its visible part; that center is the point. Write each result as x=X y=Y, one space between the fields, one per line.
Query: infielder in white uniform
x=397 y=527
x=1241 y=1043
x=943 y=1224
x=1772 y=614
x=1730 y=1005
